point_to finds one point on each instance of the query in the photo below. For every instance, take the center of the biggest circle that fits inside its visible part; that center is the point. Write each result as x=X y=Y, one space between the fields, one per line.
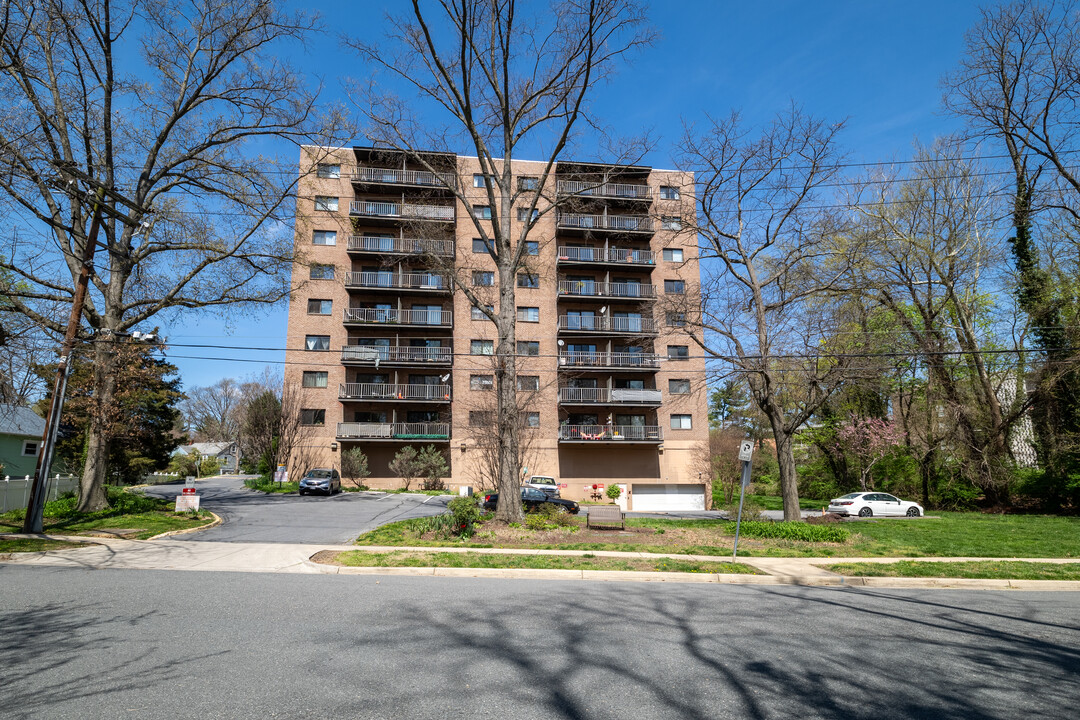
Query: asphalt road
x=251 y=516
x=157 y=644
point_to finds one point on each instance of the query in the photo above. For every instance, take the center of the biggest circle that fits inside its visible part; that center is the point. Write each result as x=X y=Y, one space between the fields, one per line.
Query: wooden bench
x=606 y=515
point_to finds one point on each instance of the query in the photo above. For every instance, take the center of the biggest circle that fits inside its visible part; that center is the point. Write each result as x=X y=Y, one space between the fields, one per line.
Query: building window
x=528 y=347
x=317 y=342
x=482 y=347
x=528 y=383
x=523 y=214
x=29 y=447
x=678 y=387
x=324 y=237
x=322 y=272
x=483 y=278
x=528 y=280
x=672 y=255
x=526 y=184
x=315 y=378
x=328 y=171
x=669 y=192
x=670 y=222
x=528 y=314
x=532 y=247
x=312 y=417
x=678 y=352
x=482 y=212
x=675 y=287
x=326 y=203
x=478 y=314
x=531 y=419
x=481 y=418
x=479 y=181
x=481 y=382
x=676 y=319
x=319 y=307
x=680 y=422
x=480 y=246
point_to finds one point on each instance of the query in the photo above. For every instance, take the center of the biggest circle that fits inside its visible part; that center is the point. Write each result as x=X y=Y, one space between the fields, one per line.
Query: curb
x=214 y=523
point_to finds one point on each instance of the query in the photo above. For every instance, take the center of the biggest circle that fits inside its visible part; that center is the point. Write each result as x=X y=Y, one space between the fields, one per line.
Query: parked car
x=535 y=499
x=321 y=480
x=542 y=482
x=868 y=504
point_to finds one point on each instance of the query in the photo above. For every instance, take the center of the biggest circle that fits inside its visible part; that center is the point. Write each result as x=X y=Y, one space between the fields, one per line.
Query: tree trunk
x=789 y=480
x=92 y=484
x=926 y=466
x=508 y=422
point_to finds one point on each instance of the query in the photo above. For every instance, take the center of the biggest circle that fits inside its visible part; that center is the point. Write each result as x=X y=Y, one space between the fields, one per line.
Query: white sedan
x=869 y=504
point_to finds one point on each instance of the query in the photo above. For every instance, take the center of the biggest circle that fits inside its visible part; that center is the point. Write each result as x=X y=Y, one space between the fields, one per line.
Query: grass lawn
x=774 y=502
x=35 y=545
x=129 y=511
x=955 y=535
x=989 y=570
x=266 y=485
x=359 y=558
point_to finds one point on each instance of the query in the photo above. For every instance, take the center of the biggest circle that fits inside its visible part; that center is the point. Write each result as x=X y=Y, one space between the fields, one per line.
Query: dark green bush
x=466 y=513
x=792 y=531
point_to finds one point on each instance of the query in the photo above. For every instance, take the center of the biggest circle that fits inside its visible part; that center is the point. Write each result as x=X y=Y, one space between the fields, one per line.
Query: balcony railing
x=390 y=316
x=595 y=288
x=609 y=360
x=610 y=433
x=624 y=191
x=401 y=246
x=392 y=280
x=622 y=223
x=602 y=323
x=622 y=256
x=393 y=391
x=609 y=396
x=387 y=176
x=394 y=431
x=396 y=354
x=405 y=211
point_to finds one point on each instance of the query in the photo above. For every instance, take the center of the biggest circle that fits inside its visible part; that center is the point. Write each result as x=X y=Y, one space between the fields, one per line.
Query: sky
x=877 y=65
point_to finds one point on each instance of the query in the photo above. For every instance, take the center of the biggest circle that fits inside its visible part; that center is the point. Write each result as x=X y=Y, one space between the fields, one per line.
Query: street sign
x=746 y=450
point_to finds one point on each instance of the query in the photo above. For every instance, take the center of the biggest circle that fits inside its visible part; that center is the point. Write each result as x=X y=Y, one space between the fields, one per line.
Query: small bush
x=466 y=513
x=792 y=531
x=751 y=511
x=613 y=491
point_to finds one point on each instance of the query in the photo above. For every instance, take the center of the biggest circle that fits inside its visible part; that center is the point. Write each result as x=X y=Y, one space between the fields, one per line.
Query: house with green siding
x=20 y=438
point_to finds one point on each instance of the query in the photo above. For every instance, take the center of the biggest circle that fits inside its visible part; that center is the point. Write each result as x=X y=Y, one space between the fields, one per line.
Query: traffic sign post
x=746 y=454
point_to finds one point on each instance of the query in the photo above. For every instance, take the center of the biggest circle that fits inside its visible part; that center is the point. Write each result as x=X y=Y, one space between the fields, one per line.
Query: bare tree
x=155 y=138
x=766 y=304
x=508 y=84
x=212 y=413
x=717 y=459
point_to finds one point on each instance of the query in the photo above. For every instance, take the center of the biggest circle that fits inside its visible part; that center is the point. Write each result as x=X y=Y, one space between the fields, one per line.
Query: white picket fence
x=15 y=491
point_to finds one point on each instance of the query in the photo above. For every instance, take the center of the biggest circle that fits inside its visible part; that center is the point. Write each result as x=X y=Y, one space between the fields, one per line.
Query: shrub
x=751 y=511
x=354 y=464
x=406 y=465
x=433 y=468
x=466 y=513
x=792 y=531
x=613 y=491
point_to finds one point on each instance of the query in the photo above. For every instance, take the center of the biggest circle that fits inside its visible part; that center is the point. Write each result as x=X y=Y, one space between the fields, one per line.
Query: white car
x=542 y=482
x=869 y=504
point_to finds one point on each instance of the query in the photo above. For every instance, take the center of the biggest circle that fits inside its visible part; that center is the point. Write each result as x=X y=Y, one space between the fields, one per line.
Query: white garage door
x=660 y=498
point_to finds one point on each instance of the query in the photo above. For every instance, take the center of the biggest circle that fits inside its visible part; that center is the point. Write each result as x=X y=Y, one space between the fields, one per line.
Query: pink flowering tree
x=866 y=441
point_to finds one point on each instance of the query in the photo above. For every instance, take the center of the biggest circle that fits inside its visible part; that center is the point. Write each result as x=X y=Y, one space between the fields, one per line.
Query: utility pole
x=32 y=523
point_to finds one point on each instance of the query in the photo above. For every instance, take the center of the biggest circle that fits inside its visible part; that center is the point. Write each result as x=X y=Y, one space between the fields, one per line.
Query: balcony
x=400 y=211
x=609 y=223
x=608 y=396
x=397 y=392
x=387 y=280
x=414 y=178
x=393 y=431
x=610 y=433
x=594 y=324
x=607 y=290
x=406 y=318
x=604 y=256
x=610 y=191
x=607 y=360
x=396 y=355
x=400 y=246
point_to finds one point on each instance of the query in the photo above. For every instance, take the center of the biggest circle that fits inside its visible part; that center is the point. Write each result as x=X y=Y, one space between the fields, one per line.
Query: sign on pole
x=746 y=450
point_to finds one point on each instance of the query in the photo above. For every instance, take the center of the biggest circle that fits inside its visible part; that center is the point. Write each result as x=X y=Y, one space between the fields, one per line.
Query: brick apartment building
x=386 y=354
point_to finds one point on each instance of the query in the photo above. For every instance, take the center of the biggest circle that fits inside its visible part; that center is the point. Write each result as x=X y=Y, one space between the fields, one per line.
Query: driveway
x=251 y=516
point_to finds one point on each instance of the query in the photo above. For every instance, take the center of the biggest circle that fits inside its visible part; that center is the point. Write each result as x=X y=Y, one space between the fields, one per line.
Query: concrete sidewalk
x=166 y=554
